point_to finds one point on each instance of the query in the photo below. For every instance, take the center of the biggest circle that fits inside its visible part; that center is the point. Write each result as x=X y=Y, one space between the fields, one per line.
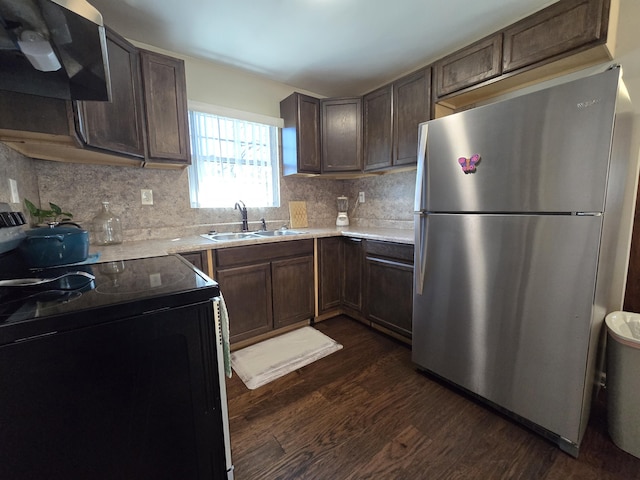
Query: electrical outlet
x=147 y=196
x=361 y=197
x=13 y=188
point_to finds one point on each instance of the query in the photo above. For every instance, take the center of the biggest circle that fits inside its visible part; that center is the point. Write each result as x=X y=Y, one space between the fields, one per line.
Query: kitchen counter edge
x=160 y=247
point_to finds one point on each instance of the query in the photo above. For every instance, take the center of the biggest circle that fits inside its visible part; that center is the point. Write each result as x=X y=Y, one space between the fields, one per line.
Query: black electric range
x=116 y=376
x=120 y=289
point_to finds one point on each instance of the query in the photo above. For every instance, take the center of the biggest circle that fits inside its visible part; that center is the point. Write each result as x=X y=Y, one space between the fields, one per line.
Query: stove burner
x=27 y=302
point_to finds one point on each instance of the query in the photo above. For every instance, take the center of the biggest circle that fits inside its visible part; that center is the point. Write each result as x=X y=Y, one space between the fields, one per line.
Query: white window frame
x=198 y=171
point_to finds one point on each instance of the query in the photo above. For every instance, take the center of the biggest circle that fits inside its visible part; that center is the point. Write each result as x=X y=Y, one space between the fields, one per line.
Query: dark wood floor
x=364 y=412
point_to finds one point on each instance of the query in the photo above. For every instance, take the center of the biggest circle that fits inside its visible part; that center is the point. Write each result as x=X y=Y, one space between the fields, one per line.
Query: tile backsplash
x=80 y=189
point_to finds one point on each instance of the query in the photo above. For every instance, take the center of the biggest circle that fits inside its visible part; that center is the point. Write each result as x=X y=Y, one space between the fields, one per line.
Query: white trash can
x=623 y=380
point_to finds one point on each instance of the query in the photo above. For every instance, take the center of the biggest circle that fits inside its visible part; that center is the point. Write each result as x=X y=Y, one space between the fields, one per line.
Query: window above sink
x=233 y=155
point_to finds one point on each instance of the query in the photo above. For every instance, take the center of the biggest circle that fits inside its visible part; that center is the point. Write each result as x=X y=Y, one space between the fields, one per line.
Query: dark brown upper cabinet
x=476 y=63
x=561 y=38
x=377 y=122
x=116 y=126
x=556 y=30
x=145 y=123
x=301 y=134
x=164 y=88
x=411 y=106
x=341 y=135
x=391 y=115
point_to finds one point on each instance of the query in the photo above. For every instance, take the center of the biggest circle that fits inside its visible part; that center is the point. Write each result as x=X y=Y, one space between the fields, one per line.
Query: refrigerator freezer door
x=506 y=309
x=547 y=151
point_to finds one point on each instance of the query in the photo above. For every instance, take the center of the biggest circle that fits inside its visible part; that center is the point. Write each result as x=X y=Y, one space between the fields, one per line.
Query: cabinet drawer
x=555 y=30
x=398 y=251
x=473 y=64
x=256 y=253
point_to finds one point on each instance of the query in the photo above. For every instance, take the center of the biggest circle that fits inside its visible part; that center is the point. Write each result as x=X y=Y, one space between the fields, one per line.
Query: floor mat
x=263 y=362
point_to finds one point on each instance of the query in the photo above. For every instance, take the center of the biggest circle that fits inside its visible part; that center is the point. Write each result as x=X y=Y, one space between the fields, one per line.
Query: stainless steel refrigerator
x=523 y=217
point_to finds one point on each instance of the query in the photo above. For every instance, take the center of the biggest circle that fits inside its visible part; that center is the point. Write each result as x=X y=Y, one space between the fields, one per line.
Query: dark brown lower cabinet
x=197 y=259
x=292 y=281
x=352 y=284
x=330 y=265
x=389 y=285
x=247 y=294
x=266 y=287
x=369 y=280
x=340 y=273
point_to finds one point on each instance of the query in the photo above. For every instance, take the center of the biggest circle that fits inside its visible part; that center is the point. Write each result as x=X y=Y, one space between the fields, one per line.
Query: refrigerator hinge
x=588 y=214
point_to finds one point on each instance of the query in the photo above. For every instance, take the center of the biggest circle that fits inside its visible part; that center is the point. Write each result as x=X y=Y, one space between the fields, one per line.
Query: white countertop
x=159 y=247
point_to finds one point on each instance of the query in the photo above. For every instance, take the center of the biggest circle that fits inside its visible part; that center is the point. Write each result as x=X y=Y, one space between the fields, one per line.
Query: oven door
x=139 y=397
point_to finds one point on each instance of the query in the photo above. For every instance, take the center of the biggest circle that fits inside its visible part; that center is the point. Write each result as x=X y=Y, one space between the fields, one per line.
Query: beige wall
x=231 y=87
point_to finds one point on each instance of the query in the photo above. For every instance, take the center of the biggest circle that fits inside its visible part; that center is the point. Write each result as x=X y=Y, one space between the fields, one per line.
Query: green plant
x=55 y=214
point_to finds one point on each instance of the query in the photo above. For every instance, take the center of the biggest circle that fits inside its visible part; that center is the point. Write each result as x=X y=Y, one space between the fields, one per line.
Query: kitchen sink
x=228 y=237
x=222 y=237
x=276 y=233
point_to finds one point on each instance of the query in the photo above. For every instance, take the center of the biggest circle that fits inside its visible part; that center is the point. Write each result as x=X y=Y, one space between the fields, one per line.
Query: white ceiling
x=329 y=47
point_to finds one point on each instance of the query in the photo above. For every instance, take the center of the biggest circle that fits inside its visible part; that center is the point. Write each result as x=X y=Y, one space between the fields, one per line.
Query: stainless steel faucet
x=243 y=211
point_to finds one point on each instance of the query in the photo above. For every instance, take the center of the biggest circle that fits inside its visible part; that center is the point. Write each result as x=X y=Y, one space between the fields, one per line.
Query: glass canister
x=107 y=229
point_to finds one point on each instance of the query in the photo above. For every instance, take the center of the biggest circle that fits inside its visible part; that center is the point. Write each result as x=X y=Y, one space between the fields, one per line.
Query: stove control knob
x=18 y=218
x=6 y=220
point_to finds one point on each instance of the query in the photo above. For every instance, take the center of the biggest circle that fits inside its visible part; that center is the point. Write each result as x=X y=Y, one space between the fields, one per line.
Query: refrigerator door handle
x=420 y=180
x=421 y=254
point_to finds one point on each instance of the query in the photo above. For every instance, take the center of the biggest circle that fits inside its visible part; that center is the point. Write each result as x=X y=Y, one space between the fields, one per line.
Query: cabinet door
x=164 y=87
x=330 y=261
x=247 y=294
x=301 y=134
x=411 y=106
x=292 y=286
x=197 y=259
x=555 y=30
x=389 y=293
x=342 y=135
x=378 y=128
x=116 y=126
x=352 y=274
x=470 y=65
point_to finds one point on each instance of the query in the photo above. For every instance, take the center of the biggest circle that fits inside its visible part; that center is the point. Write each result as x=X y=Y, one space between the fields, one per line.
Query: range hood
x=53 y=48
